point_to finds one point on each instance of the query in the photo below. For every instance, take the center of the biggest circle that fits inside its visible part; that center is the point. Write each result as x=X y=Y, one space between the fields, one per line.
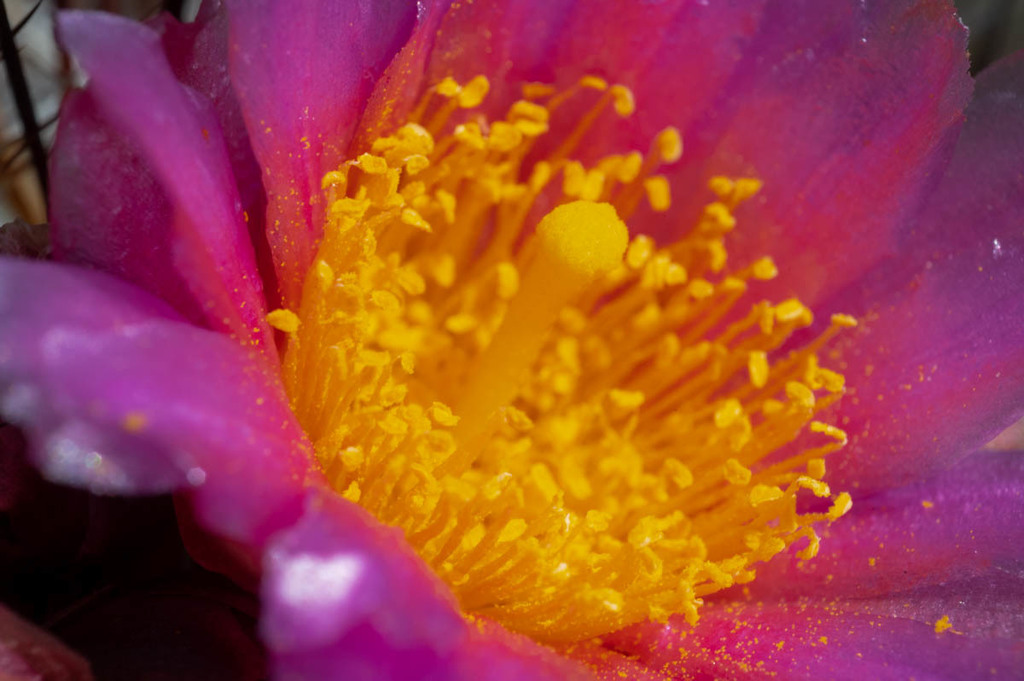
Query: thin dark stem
x=20 y=145
x=12 y=60
x=21 y=24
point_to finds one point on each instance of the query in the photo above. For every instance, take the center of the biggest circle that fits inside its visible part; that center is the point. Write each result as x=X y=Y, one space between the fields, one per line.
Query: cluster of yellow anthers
x=575 y=430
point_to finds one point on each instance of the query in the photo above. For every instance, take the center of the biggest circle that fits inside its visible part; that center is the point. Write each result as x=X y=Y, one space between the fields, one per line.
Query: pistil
x=576 y=243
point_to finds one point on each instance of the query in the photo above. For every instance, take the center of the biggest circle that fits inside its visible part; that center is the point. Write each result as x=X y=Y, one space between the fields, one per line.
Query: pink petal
x=491 y=653
x=345 y=597
x=847 y=110
x=951 y=545
x=302 y=79
x=117 y=395
x=142 y=182
x=30 y=654
x=937 y=369
x=398 y=89
x=611 y=665
x=198 y=54
x=810 y=639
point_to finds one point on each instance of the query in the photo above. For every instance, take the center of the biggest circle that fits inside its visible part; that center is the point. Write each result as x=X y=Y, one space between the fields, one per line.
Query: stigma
x=576 y=428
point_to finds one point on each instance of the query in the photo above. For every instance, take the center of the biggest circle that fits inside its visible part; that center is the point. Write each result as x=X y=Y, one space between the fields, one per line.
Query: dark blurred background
x=997 y=28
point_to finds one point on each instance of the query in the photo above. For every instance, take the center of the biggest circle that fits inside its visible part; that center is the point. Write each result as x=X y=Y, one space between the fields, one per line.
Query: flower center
x=576 y=430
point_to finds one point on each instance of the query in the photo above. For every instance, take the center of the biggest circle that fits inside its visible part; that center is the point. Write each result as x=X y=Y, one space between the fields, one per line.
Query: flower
x=165 y=376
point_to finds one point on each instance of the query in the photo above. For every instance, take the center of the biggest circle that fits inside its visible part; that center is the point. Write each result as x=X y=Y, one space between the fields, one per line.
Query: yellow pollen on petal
x=576 y=428
x=943 y=625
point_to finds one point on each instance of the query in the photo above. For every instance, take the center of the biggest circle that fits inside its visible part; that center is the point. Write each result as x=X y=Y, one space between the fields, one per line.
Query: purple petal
x=937 y=368
x=847 y=110
x=952 y=545
x=809 y=639
x=986 y=606
x=30 y=654
x=142 y=182
x=874 y=602
x=345 y=597
x=117 y=395
x=302 y=79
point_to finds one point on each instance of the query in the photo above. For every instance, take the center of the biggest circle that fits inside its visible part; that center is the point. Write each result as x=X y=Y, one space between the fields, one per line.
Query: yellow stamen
x=575 y=429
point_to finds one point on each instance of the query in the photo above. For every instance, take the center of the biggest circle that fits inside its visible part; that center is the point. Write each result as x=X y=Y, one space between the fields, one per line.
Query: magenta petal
x=118 y=395
x=807 y=639
x=143 y=185
x=847 y=110
x=30 y=654
x=344 y=597
x=937 y=369
x=302 y=79
x=952 y=545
